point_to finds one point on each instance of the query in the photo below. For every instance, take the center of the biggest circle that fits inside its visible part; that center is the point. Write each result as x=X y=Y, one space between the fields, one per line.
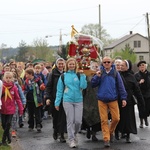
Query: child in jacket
x=33 y=95
x=10 y=97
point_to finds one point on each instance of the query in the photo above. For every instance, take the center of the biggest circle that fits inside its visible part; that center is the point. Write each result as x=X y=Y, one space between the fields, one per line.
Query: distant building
x=136 y=41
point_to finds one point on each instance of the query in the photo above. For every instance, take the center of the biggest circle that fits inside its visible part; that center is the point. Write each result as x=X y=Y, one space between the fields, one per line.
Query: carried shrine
x=86 y=49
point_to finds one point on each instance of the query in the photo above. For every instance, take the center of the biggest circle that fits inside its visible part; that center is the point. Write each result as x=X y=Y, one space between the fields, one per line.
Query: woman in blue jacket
x=70 y=91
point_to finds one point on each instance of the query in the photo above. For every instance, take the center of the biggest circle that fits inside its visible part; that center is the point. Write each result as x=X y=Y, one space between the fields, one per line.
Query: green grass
x=3 y=147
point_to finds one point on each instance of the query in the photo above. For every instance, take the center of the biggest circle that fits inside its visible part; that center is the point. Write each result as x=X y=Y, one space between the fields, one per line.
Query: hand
x=81 y=71
x=57 y=108
x=124 y=103
x=48 y=101
x=98 y=73
x=141 y=81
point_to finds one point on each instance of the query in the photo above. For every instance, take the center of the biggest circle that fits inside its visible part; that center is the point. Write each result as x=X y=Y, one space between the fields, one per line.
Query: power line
x=46 y=13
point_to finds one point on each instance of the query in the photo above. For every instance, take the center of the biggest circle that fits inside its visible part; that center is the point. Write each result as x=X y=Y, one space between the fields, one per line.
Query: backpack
x=62 y=77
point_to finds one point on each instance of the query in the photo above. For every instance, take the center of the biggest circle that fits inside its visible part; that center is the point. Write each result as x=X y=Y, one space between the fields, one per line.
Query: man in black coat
x=143 y=78
x=59 y=117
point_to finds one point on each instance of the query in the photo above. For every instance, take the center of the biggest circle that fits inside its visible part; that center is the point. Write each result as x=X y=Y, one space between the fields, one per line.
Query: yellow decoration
x=7 y=93
x=74 y=31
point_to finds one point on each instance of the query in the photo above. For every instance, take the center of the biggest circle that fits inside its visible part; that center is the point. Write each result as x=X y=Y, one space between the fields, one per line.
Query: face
x=29 y=76
x=142 y=67
x=42 y=66
x=7 y=68
x=8 y=78
x=71 y=65
x=60 y=65
x=20 y=67
x=107 y=62
x=37 y=70
x=94 y=66
x=124 y=66
x=118 y=66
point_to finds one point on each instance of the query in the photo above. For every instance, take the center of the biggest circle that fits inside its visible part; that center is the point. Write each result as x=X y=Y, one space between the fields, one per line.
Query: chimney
x=130 y=32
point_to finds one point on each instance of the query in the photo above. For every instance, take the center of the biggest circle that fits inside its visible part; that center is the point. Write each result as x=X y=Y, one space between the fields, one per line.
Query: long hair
x=76 y=65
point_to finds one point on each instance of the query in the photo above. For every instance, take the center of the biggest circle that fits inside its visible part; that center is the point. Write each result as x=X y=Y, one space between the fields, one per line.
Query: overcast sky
x=28 y=20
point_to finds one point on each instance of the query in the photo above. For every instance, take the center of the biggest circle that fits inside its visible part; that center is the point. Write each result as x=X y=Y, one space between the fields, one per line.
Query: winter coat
x=71 y=89
x=145 y=89
x=10 y=97
x=51 y=87
x=32 y=91
x=127 y=122
x=110 y=86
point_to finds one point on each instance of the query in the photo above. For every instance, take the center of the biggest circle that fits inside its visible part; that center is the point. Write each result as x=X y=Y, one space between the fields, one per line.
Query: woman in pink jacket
x=9 y=98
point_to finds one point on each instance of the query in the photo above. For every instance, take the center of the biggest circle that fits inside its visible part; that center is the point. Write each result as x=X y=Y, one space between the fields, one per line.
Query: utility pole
x=60 y=42
x=100 y=22
x=147 y=18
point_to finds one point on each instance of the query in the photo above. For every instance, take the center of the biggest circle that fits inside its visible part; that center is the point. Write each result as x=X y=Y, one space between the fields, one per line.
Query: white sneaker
x=72 y=144
x=76 y=139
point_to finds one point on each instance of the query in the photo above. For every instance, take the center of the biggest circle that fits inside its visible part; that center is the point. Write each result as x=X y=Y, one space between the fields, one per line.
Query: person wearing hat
x=143 y=78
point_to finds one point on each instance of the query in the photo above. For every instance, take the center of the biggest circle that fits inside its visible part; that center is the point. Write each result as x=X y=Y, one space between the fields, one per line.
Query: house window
x=137 y=44
x=141 y=58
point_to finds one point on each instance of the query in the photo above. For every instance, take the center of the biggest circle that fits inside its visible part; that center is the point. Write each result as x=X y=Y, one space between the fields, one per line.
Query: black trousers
x=59 y=119
x=6 y=124
x=34 y=115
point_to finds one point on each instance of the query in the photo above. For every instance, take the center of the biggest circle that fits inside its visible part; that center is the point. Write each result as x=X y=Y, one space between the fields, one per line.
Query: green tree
x=23 y=49
x=41 y=50
x=63 y=52
x=126 y=53
x=94 y=29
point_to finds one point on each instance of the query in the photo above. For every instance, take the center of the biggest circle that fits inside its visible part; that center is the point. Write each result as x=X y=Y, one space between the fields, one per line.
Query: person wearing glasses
x=110 y=90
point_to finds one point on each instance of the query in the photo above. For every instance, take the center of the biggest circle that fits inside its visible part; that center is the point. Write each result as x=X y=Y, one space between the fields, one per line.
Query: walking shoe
x=38 y=128
x=146 y=122
x=13 y=133
x=88 y=134
x=128 y=140
x=72 y=144
x=55 y=135
x=30 y=129
x=76 y=139
x=141 y=125
x=106 y=144
x=94 y=138
x=9 y=138
x=62 y=138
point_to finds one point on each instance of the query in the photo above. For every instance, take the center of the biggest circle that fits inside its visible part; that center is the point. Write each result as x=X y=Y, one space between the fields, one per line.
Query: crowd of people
x=100 y=102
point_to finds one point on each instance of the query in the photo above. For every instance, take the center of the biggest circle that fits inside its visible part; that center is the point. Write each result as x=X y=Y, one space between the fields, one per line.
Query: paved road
x=43 y=141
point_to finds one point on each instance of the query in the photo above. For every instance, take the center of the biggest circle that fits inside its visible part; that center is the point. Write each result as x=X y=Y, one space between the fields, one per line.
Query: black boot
x=128 y=140
x=55 y=135
x=94 y=138
x=62 y=138
x=88 y=133
x=141 y=123
x=9 y=138
x=146 y=121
